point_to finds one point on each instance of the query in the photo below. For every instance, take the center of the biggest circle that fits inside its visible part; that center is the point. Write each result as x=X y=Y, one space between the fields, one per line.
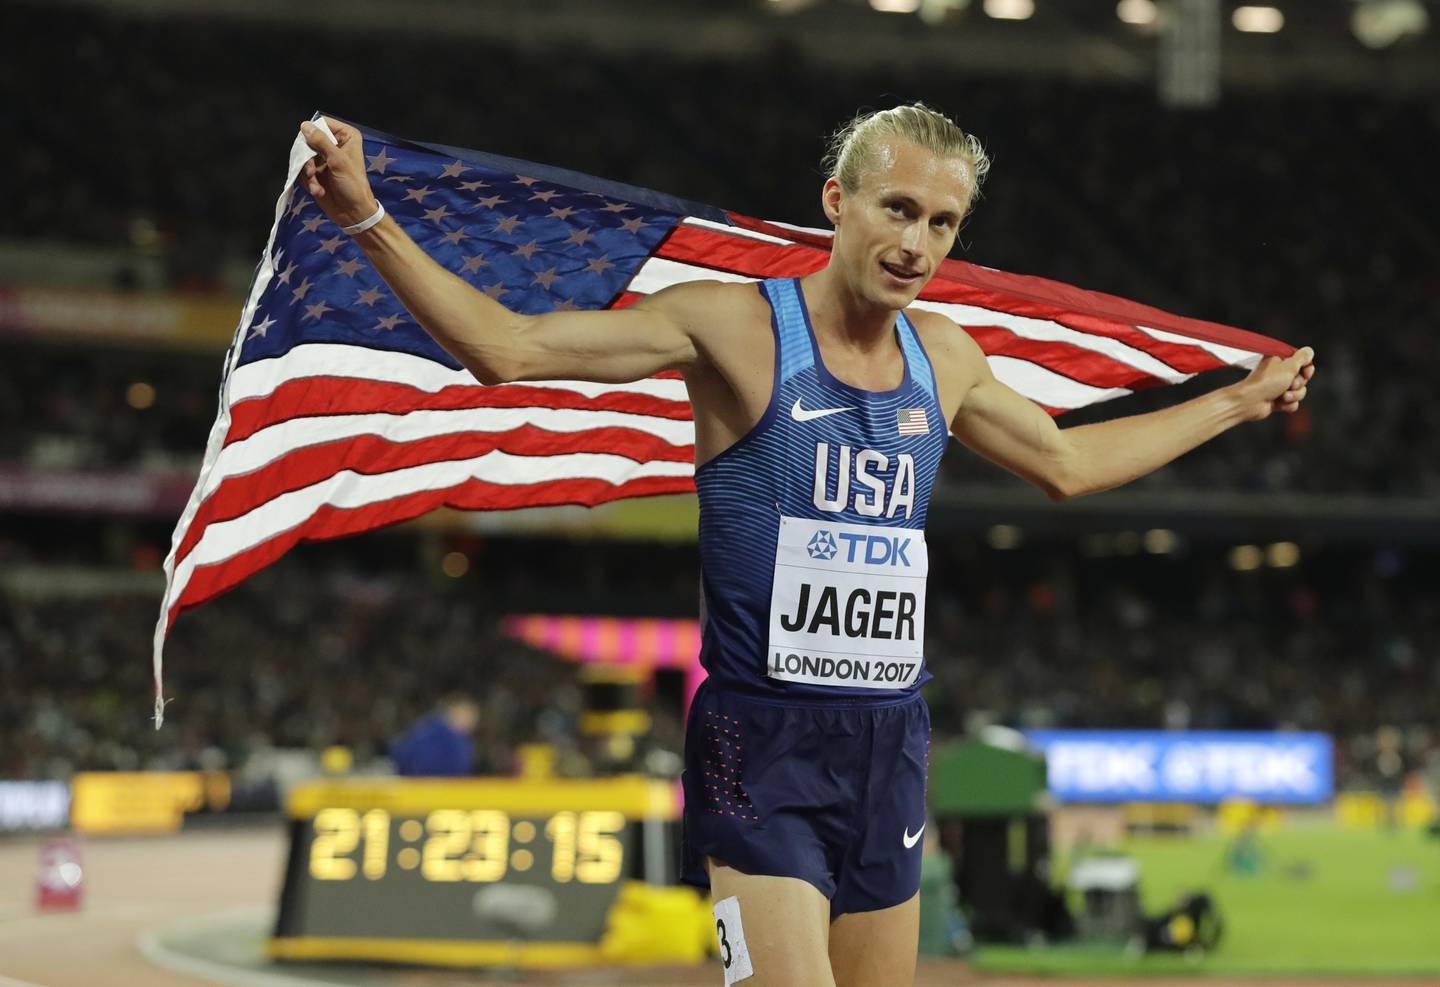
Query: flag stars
x=474 y=186
x=495 y=291
x=454 y=237
x=368 y=296
x=526 y=179
x=490 y=201
x=316 y=311
x=565 y=305
x=437 y=214
x=398 y=178
x=259 y=329
x=298 y=208
x=388 y=323
x=331 y=245
x=560 y=212
x=379 y=162
x=579 y=237
x=545 y=279
x=418 y=194
x=528 y=250
x=349 y=266
x=616 y=207
x=599 y=265
x=474 y=263
x=303 y=290
x=508 y=224
x=544 y=196
x=284 y=276
x=634 y=225
x=455 y=169
x=313 y=223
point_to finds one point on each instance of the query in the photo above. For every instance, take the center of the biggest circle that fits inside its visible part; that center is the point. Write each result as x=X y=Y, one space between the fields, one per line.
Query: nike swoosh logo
x=801 y=415
x=910 y=840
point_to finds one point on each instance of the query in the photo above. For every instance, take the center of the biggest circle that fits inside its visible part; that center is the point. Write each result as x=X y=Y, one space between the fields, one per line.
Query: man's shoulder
x=958 y=360
x=943 y=339
x=706 y=308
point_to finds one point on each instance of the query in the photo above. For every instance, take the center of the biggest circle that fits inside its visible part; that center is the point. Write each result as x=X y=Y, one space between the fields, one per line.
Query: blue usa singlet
x=812 y=544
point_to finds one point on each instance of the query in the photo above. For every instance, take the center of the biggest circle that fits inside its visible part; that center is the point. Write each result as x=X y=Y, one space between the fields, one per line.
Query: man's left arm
x=1009 y=429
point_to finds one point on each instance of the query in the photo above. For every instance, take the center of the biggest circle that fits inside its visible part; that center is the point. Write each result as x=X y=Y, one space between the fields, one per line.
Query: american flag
x=339 y=414
x=911 y=421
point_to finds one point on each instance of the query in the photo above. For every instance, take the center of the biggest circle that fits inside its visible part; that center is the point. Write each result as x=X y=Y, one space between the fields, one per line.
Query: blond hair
x=854 y=148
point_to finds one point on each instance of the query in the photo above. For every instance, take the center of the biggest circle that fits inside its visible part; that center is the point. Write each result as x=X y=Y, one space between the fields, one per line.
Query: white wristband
x=366 y=223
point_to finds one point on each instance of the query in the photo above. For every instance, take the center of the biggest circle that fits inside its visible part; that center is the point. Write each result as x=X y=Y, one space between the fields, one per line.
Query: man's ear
x=832 y=198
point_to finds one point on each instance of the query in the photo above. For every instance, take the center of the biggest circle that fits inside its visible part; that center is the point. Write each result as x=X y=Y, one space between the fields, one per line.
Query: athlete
x=821 y=407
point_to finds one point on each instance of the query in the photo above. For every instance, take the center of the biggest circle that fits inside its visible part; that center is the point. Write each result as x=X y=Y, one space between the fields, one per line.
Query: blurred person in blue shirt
x=439 y=745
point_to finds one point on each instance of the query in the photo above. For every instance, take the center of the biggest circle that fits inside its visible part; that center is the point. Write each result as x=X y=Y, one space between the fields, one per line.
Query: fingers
x=318 y=140
x=310 y=176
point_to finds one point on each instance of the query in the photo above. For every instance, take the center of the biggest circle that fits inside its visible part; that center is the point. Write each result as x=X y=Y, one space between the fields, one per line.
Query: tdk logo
x=876 y=549
x=822 y=546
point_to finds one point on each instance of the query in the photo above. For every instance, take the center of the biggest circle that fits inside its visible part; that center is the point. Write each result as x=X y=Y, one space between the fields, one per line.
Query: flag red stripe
x=312 y=396
x=373 y=455
x=738 y=255
x=209 y=581
x=1065 y=359
x=1188 y=359
x=957 y=280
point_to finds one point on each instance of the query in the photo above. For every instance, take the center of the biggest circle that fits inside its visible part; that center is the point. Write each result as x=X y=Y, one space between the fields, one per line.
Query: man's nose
x=911 y=239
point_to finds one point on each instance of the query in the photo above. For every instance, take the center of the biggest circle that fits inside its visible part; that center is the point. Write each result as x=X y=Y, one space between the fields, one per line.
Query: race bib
x=848 y=607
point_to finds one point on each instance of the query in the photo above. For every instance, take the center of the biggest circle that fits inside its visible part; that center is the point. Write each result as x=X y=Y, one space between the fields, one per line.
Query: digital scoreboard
x=476 y=872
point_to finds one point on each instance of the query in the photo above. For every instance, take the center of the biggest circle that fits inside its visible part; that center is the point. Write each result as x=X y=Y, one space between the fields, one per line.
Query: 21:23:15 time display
x=466 y=845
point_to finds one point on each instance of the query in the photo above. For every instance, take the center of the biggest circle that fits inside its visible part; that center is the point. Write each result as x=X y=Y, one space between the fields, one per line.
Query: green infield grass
x=1322 y=900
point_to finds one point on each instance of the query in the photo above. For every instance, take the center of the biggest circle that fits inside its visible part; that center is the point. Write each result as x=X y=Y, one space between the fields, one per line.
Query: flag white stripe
x=1050 y=331
x=1230 y=354
x=658 y=272
x=348 y=490
x=270 y=444
x=1047 y=387
x=736 y=231
x=300 y=152
x=258 y=379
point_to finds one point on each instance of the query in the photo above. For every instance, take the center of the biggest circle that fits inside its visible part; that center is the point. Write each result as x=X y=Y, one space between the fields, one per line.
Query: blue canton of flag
x=532 y=244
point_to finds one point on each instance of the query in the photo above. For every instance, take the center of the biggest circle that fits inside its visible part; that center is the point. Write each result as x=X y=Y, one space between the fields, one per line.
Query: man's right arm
x=492 y=342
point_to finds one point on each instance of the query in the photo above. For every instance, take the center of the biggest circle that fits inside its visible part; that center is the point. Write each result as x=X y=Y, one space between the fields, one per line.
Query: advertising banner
x=1200 y=767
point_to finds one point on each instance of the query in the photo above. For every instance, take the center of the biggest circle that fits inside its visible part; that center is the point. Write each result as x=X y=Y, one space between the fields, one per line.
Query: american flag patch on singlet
x=911 y=421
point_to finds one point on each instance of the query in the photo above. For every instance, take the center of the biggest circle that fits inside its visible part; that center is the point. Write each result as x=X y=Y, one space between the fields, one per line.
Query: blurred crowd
x=1258 y=213
x=338 y=645
x=168 y=134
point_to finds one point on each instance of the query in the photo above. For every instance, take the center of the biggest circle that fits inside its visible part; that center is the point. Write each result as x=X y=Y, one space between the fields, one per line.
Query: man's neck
x=840 y=314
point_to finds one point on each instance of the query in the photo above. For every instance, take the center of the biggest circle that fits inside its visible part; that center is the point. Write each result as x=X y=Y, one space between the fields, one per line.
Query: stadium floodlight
x=1246 y=558
x=1381 y=23
x=1160 y=541
x=1258 y=20
x=1003 y=537
x=1010 y=10
x=1282 y=555
x=896 y=6
x=935 y=11
x=1137 y=12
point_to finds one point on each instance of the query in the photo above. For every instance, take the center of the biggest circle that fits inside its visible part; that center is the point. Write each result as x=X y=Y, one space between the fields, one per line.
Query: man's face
x=893 y=232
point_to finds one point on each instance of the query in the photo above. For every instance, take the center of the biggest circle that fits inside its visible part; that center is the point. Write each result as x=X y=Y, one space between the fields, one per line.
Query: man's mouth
x=902 y=274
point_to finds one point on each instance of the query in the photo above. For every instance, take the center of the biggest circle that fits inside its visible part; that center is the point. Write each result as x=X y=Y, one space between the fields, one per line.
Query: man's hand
x=336 y=175
x=1276 y=384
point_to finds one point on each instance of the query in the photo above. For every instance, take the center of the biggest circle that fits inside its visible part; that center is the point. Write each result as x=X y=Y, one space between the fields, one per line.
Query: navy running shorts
x=831 y=794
